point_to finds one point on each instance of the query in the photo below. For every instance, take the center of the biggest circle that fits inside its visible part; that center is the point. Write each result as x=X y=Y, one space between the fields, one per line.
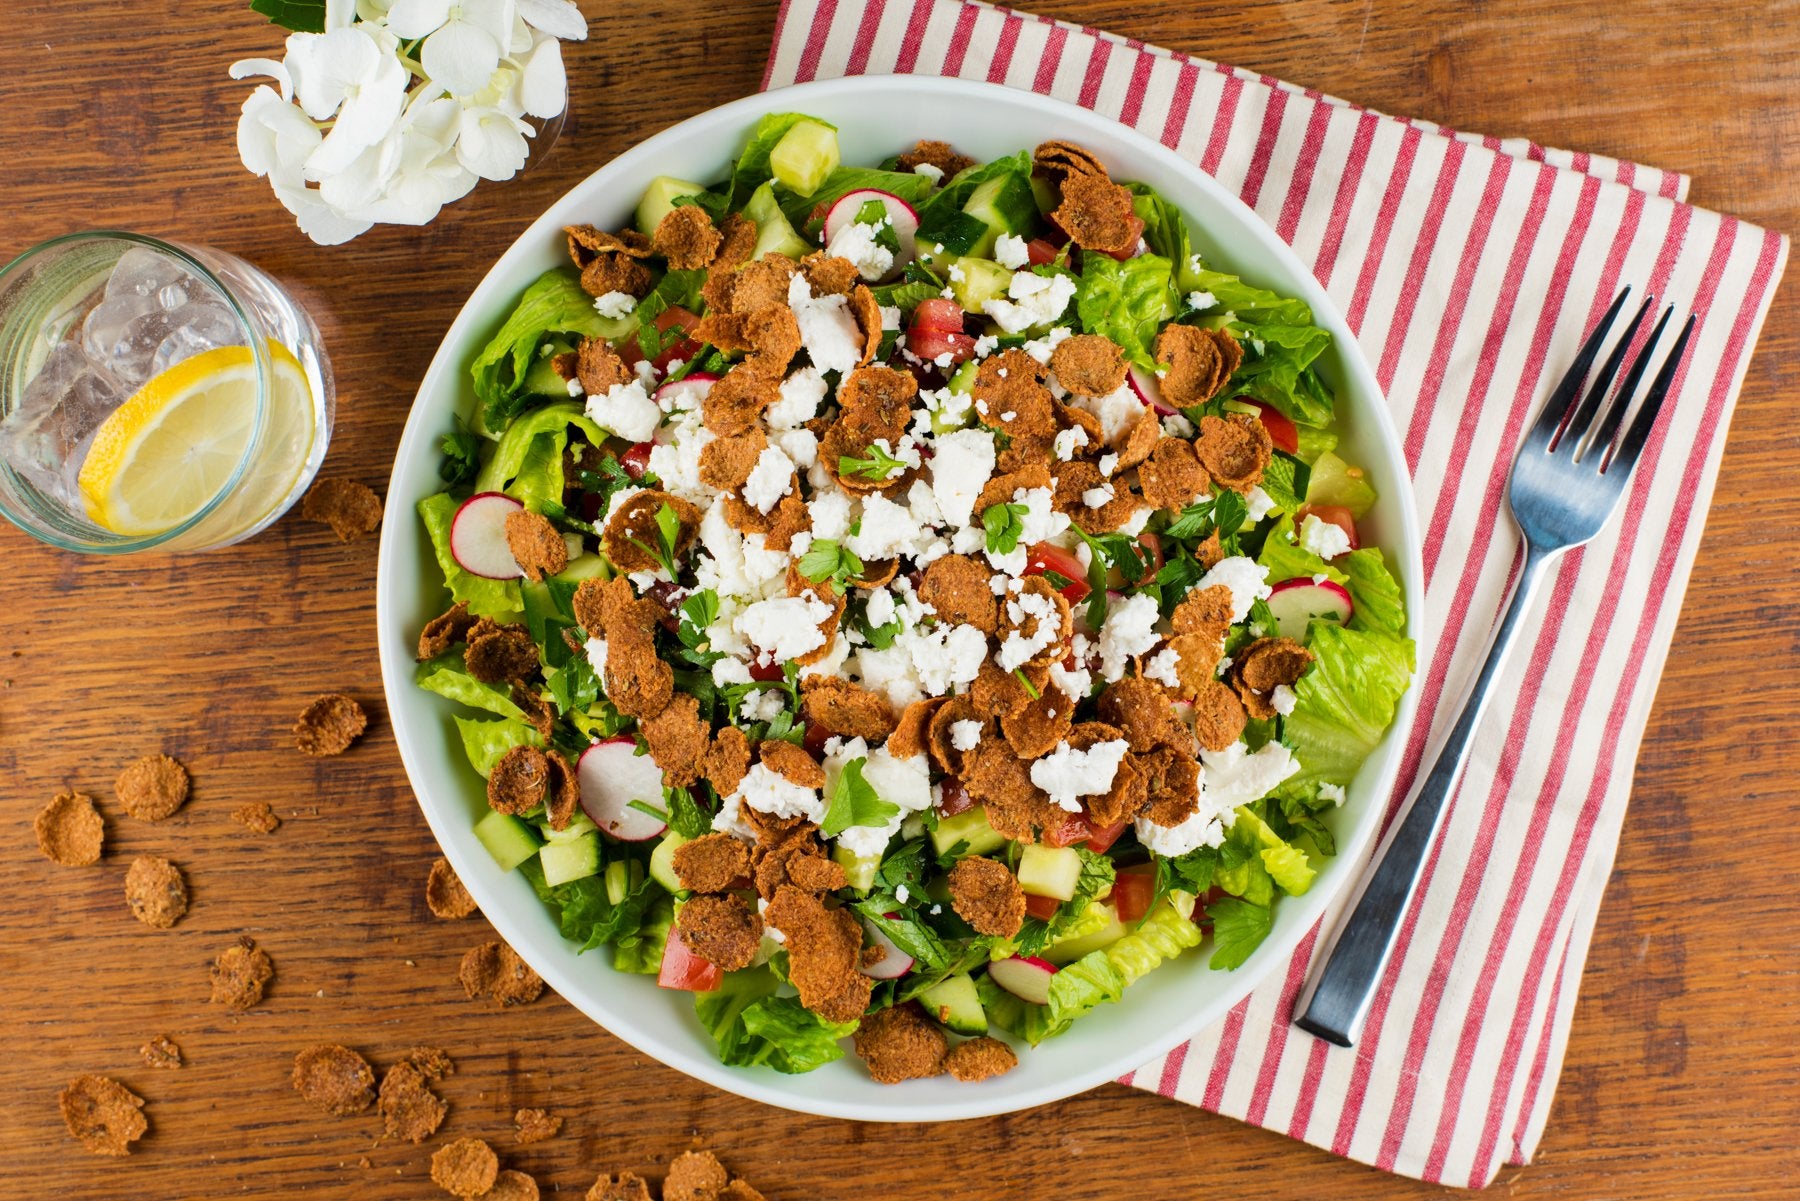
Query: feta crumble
x=1010 y=251
x=1068 y=774
x=1323 y=538
x=1035 y=300
x=1247 y=579
x=615 y=304
x=1130 y=630
x=627 y=411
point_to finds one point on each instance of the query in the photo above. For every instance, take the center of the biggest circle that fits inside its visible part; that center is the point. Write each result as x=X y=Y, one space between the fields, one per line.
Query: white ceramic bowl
x=876 y=116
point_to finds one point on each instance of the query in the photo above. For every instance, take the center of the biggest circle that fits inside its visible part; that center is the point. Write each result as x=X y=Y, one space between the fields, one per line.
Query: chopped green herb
x=1004 y=523
x=876 y=466
x=854 y=802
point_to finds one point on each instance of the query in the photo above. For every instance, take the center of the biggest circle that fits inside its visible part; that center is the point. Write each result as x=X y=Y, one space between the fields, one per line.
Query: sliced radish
x=686 y=392
x=478 y=536
x=1025 y=977
x=893 y=964
x=1296 y=602
x=612 y=775
x=1149 y=390
x=905 y=220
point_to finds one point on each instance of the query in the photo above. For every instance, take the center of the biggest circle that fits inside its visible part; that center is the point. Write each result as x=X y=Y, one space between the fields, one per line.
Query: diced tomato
x=1137 y=236
x=683 y=349
x=684 y=970
x=1281 y=431
x=1153 y=553
x=933 y=344
x=1336 y=515
x=1038 y=252
x=938 y=313
x=1046 y=556
x=1042 y=908
x=765 y=672
x=815 y=738
x=1074 y=829
x=1132 y=891
x=953 y=798
x=1105 y=836
x=636 y=460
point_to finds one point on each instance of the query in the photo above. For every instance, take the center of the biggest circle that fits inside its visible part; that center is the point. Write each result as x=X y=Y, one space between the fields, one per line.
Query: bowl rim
x=1399 y=509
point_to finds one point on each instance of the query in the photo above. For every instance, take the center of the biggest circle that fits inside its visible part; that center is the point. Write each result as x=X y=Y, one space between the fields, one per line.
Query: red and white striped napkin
x=1470 y=269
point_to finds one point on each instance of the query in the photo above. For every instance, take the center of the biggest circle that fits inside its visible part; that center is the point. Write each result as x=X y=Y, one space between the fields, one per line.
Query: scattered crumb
x=258 y=817
x=409 y=1109
x=336 y=1079
x=240 y=974
x=153 y=788
x=495 y=969
x=445 y=895
x=70 y=831
x=105 y=1115
x=161 y=1052
x=156 y=891
x=350 y=508
x=467 y=1167
x=512 y=1186
x=329 y=725
x=536 y=1125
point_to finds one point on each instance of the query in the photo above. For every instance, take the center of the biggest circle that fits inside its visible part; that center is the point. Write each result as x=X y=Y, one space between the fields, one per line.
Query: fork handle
x=1338 y=1001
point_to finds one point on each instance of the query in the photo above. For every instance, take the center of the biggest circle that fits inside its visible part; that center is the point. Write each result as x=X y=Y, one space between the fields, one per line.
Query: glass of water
x=153 y=395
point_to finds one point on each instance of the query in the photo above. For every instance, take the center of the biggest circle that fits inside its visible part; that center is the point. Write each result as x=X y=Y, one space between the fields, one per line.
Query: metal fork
x=1566 y=483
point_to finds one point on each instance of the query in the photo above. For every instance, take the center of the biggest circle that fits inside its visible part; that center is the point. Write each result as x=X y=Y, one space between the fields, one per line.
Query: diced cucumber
x=974 y=281
x=618 y=880
x=804 y=156
x=1044 y=193
x=1313 y=443
x=659 y=200
x=1005 y=204
x=971 y=827
x=541 y=378
x=1049 y=871
x=579 y=825
x=587 y=567
x=772 y=229
x=954 y=1002
x=963 y=380
x=1335 y=482
x=1099 y=927
x=662 y=862
x=508 y=839
x=571 y=859
x=858 y=869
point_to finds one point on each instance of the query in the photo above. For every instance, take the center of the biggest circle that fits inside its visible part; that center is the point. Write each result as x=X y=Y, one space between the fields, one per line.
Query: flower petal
x=558 y=18
x=544 y=87
x=275 y=69
x=416 y=18
x=318 y=220
x=274 y=137
x=461 y=57
x=491 y=144
x=325 y=66
x=493 y=17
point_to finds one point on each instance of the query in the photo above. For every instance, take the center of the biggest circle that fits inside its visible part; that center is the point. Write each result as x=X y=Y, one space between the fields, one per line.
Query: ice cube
x=46 y=434
x=171 y=296
x=106 y=325
x=204 y=328
x=132 y=355
x=144 y=272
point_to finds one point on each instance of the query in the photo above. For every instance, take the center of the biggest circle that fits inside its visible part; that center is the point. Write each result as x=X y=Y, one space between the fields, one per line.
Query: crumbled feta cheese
x=985 y=344
x=1231 y=777
x=901 y=892
x=575 y=389
x=1042 y=348
x=828 y=329
x=887 y=530
x=767 y=791
x=1037 y=611
x=1259 y=503
x=1161 y=667
x=1177 y=426
x=1130 y=630
x=729 y=671
x=1108 y=464
x=764 y=704
x=955 y=274
x=1068 y=774
x=1247 y=580
x=615 y=304
x=801 y=394
x=595 y=649
x=890 y=316
x=1332 y=792
x=1199 y=829
x=1075 y=684
x=880 y=608
x=771 y=479
x=1134 y=524
x=801 y=446
x=1201 y=300
x=730 y=820
x=627 y=411
x=1323 y=538
x=1097 y=498
x=960 y=466
x=785 y=627
x=857 y=243
x=1035 y=300
x=830 y=513
x=1118 y=412
x=1068 y=441
x=946 y=657
x=1282 y=699
x=965 y=735
x=1010 y=251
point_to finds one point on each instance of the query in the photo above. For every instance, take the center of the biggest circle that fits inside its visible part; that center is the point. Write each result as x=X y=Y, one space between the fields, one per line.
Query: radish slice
x=893 y=964
x=478 y=536
x=1149 y=390
x=612 y=775
x=905 y=220
x=1025 y=977
x=686 y=392
x=1296 y=602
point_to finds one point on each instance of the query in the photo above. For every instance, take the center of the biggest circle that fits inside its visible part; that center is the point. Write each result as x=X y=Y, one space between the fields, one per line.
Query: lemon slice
x=169 y=449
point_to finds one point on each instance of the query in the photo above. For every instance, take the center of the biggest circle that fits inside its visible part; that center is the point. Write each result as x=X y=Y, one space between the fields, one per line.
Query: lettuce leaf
x=1280 y=345
x=449 y=677
x=1166 y=233
x=553 y=304
x=1127 y=301
x=485 y=741
x=1377 y=604
x=1346 y=701
x=754 y=1026
x=585 y=914
x=1239 y=927
x=498 y=599
x=640 y=951
x=528 y=463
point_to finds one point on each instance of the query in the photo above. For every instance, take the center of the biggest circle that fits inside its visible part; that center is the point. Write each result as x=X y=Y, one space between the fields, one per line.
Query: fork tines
x=1593 y=421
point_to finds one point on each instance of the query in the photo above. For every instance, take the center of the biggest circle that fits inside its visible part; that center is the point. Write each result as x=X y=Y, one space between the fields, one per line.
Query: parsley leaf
x=462 y=455
x=668 y=533
x=1238 y=929
x=876 y=466
x=1004 y=523
x=854 y=802
x=1030 y=690
x=827 y=559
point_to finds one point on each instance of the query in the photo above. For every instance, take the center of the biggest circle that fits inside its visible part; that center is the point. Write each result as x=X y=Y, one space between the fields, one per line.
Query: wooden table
x=1681 y=1077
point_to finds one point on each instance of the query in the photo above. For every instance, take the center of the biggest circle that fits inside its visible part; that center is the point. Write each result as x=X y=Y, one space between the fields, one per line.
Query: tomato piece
x=1136 y=243
x=1039 y=252
x=933 y=344
x=938 y=313
x=1336 y=515
x=1047 y=556
x=953 y=798
x=815 y=738
x=1105 y=836
x=1153 y=554
x=1042 y=908
x=683 y=970
x=1133 y=890
x=684 y=349
x=636 y=460
x=1281 y=431
x=1074 y=829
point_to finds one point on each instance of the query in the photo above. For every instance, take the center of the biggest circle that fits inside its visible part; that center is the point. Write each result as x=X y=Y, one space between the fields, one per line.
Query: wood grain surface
x=1682 y=1073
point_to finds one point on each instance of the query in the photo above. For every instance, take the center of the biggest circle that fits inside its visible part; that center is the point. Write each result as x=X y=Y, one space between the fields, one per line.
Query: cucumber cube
x=572 y=859
x=804 y=156
x=579 y=825
x=773 y=232
x=1106 y=930
x=662 y=862
x=971 y=827
x=954 y=1002
x=860 y=871
x=976 y=281
x=1335 y=482
x=1049 y=871
x=1005 y=204
x=659 y=200
x=509 y=840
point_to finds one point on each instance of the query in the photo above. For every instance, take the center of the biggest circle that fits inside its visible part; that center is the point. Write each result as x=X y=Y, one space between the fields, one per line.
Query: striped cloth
x=1470 y=269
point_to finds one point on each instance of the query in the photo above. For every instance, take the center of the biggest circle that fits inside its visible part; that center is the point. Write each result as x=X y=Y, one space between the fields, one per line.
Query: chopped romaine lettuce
x=447 y=676
x=528 y=463
x=752 y=1025
x=554 y=304
x=586 y=914
x=640 y=951
x=1346 y=700
x=1127 y=301
x=485 y=741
